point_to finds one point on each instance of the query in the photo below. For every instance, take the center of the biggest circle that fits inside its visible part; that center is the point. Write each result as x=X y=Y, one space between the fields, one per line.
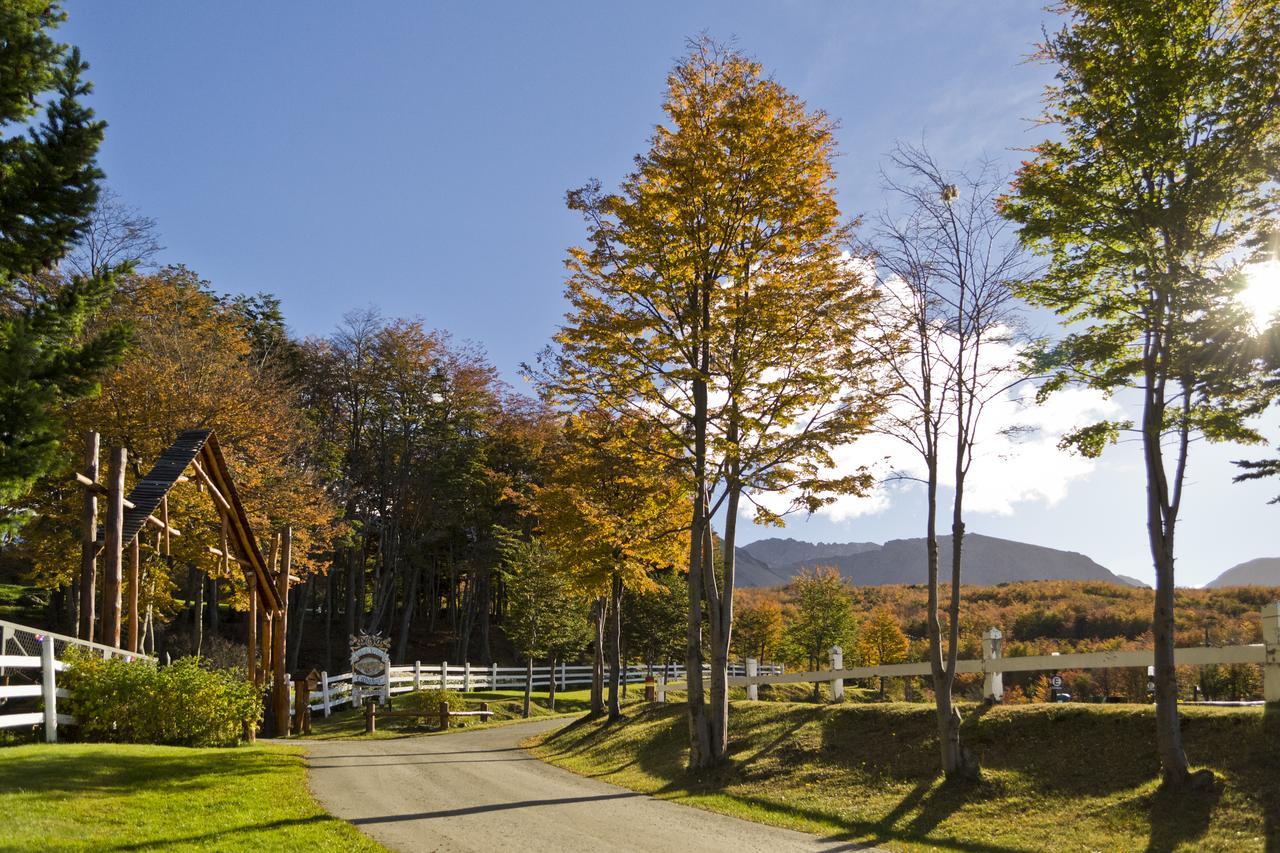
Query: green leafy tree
x=714 y=300
x=881 y=642
x=1168 y=131
x=758 y=627
x=655 y=625
x=821 y=617
x=48 y=187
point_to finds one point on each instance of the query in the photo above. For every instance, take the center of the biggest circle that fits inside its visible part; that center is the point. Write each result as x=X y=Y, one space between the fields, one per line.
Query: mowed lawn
x=1056 y=777
x=126 y=797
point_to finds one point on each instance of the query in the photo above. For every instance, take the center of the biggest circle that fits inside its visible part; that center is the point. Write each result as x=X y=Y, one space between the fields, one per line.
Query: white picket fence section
x=334 y=691
x=31 y=657
x=993 y=665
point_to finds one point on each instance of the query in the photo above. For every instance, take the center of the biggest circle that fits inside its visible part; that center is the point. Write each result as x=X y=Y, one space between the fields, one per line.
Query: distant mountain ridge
x=988 y=560
x=1264 y=571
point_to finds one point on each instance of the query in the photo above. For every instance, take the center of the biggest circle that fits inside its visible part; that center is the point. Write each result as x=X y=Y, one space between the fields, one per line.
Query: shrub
x=425 y=704
x=183 y=704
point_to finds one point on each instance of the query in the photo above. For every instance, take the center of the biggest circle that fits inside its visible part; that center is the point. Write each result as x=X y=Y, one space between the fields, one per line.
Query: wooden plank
x=11 y=721
x=88 y=538
x=113 y=547
x=19 y=691
x=135 y=573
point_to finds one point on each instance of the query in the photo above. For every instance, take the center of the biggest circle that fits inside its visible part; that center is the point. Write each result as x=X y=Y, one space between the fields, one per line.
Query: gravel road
x=479 y=791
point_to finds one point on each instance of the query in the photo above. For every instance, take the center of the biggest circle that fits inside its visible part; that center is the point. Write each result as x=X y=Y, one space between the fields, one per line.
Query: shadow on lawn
x=211 y=838
x=110 y=771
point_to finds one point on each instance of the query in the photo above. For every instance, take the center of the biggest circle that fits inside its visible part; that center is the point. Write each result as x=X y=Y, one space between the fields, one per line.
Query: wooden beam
x=113 y=548
x=99 y=489
x=164 y=519
x=135 y=574
x=280 y=684
x=218 y=552
x=204 y=478
x=88 y=537
x=251 y=639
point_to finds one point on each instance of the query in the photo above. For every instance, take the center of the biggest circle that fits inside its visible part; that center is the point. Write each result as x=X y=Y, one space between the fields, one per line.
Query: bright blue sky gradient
x=414 y=156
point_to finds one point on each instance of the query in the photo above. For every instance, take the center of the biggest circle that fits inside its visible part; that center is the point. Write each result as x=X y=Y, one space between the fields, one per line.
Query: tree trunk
x=700 y=728
x=551 y=687
x=597 y=660
x=528 y=687
x=615 y=646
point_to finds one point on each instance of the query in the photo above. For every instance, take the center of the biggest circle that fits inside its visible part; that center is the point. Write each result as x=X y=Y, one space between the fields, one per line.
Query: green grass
x=505 y=704
x=126 y=797
x=22 y=604
x=1062 y=777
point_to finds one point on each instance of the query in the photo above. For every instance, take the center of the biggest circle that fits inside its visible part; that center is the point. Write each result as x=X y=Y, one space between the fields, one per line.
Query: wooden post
x=280 y=624
x=49 y=690
x=417 y=676
x=562 y=676
x=113 y=548
x=444 y=716
x=89 y=540
x=837 y=684
x=662 y=688
x=1271 y=640
x=164 y=517
x=493 y=676
x=324 y=692
x=135 y=576
x=466 y=677
x=370 y=717
x=264 y=645
x=993 y=683
x=301 y=701
x=444 y=675
x=753 y=669
x=251 y=638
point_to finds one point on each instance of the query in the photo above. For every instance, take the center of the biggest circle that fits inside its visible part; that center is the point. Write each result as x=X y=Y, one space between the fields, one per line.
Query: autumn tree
x=49 y=183
x=654 y=627
x=758 y=625
x=614 y=514
x=713 y=300
x=881 y=642
x=1159 y=178
x=947 y=264
x=821 y=616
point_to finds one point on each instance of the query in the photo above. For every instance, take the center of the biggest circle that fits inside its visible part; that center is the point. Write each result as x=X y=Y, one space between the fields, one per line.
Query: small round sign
x=1055 y=682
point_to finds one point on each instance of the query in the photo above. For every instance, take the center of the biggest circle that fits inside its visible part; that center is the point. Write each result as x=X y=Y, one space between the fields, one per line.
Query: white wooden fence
x=334 y=691
x=29 y=664
x=993 y=665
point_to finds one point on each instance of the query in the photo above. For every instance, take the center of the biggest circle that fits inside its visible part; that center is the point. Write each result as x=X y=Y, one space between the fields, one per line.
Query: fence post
x=993 y=683
x=444 y=675
x=837 y=684
x=417 y=676
x=1271 y=639
x=4 y=644
x=753 y=667
x=662 y=688
x=466 y=677
x=48 y=691
x=324 y=691
x=562 y=681
x=493 y=676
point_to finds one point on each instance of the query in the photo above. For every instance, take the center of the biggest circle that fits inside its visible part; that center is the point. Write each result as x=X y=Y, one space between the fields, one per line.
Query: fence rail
x=335 y=691
x=993 y=665
x=32 y=657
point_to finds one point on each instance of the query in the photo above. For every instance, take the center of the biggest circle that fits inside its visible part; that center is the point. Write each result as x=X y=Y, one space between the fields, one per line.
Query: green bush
x=183 y=704
x=425 y=704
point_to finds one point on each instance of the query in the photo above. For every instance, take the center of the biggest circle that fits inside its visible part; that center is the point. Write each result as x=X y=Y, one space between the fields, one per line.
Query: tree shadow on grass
x=1180 y=816
x=111 y=770
x=1271 y=793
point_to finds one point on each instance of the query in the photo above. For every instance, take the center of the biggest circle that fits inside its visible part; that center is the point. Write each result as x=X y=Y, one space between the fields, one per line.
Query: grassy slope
x=1055 y=777
x=124 y=797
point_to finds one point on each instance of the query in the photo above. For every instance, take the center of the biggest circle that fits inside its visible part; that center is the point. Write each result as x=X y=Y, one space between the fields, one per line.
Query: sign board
x=370 y=667
x=1055 y=682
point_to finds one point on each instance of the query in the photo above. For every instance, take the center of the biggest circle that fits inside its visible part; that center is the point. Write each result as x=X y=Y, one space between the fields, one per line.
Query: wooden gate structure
x=194 y=455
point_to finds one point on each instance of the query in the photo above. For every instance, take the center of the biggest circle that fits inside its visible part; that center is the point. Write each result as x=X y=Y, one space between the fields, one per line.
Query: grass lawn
x=125 y=797
x=1062 y=777
x=505 y=704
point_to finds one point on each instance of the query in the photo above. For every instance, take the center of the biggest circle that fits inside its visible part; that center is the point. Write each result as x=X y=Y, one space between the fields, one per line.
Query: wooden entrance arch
x=194 y=456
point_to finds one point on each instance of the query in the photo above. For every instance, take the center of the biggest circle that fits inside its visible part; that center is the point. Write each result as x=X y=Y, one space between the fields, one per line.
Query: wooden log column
x=135 y=577
x=89 y=540
x=280 y=682
x=113 y=548
x=251 y=640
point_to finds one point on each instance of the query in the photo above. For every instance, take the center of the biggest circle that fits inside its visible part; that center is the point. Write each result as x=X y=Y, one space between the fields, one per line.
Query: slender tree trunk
x=597 y=660
x=406 y=618
x=1162 y=518
x=528 y=686
x=551 y=688
x=615 y=646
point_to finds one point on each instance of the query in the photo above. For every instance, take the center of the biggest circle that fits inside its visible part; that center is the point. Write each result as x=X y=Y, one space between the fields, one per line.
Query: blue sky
x=414 y=156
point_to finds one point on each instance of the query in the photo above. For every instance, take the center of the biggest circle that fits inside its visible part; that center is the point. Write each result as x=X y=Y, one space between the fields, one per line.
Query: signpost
x=370 y=668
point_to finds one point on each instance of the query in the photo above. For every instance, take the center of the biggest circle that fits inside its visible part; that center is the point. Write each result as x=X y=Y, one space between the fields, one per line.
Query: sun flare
x=1261 y=294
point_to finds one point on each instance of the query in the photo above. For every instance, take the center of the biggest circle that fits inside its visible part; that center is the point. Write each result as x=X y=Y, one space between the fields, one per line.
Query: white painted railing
x=334 y=691
x=993 y=665
x=32 y=656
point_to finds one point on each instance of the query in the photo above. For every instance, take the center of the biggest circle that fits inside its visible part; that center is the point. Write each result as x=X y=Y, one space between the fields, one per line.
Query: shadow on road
x=493 y=807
